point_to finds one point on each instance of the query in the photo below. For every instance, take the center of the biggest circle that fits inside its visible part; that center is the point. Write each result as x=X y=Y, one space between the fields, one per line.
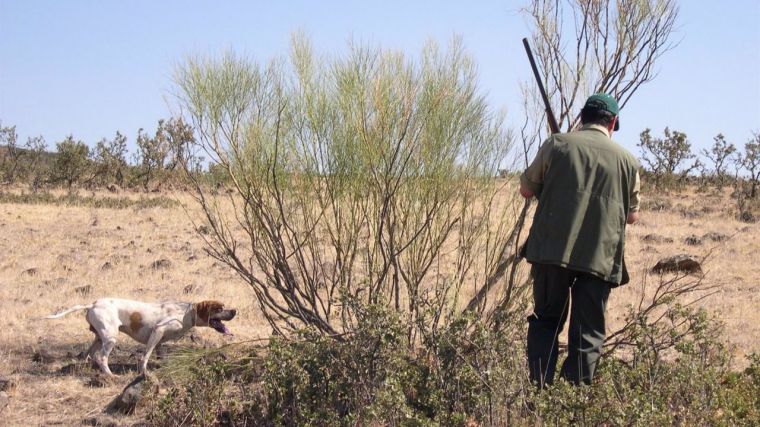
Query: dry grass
x=732 y=264
x=50 y=251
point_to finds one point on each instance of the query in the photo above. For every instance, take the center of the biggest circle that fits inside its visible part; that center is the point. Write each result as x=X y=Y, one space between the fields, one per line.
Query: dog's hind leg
x=101 y=357
x=104 y=343
x=94 y=347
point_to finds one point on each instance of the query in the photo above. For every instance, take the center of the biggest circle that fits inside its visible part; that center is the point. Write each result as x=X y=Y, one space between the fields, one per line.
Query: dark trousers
x=554 y=289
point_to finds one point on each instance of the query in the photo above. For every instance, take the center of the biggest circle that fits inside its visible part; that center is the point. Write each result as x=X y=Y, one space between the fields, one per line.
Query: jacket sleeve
x=533 y=177
x=635 y=193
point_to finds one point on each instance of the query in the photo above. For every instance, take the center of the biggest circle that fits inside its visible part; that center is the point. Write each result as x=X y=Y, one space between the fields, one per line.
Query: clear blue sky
x=89 y=68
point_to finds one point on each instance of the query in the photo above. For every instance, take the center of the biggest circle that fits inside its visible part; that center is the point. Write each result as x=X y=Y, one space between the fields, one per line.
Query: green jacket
x=586 y=185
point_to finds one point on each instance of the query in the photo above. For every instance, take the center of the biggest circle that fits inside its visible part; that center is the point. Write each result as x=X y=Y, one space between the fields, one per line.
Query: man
x=588 y=190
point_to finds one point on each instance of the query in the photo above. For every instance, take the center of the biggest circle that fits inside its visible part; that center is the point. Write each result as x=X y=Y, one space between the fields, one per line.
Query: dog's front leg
x=153 y=341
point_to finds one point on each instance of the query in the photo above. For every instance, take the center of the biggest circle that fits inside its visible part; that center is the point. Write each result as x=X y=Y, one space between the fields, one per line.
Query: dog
x=149 y=324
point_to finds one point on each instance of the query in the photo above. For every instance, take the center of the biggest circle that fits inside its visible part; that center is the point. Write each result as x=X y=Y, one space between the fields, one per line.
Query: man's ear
x=612 y=124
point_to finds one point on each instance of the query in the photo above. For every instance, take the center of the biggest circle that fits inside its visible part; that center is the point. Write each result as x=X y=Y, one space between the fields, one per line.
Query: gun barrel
x=549 y=114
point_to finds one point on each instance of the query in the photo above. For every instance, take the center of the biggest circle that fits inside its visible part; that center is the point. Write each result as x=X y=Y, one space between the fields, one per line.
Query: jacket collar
x=598 y=128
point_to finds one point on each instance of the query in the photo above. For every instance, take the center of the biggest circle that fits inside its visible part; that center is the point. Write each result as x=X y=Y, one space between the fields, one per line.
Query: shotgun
x=553 y=126
x=508 y=256
x=514 y=239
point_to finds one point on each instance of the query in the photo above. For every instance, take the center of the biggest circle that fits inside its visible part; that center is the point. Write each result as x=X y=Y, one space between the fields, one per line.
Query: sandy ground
x=54 y=257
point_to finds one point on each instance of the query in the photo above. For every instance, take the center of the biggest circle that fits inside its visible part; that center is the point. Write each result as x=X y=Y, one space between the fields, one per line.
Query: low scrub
x=466 y=375
x=74 y=199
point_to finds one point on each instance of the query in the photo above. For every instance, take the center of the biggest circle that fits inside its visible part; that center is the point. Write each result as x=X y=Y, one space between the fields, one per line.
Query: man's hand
x=525 y=192
x=632 y=217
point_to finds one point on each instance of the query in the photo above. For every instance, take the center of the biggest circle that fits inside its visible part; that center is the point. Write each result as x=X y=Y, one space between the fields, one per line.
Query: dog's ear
x=202 y=311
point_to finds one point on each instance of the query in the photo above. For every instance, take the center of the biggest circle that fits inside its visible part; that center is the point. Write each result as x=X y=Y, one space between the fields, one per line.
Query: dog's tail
x=69 y=310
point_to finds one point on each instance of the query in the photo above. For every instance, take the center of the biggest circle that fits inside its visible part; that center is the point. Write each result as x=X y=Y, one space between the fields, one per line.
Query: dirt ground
x=55 y=257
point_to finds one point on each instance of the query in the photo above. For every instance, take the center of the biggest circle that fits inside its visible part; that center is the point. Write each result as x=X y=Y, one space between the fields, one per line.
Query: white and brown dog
x=150 y=324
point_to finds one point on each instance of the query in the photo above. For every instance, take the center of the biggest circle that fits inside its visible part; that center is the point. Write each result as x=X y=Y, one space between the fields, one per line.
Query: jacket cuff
x=534 y=187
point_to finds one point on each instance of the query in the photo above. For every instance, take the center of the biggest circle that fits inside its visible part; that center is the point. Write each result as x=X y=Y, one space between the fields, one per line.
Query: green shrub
x=72 y=164
x=464 y=374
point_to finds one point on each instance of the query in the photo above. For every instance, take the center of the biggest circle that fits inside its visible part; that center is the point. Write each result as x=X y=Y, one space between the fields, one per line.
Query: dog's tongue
x=226 y=331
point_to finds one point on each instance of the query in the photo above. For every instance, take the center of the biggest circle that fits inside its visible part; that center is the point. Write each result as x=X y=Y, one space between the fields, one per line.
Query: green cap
x=604 y=102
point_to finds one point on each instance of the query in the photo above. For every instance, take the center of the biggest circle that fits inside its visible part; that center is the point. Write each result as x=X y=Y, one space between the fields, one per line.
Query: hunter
x=587 y=188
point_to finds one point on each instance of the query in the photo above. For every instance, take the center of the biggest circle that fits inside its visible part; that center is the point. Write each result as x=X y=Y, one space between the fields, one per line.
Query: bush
x=111 y=160
x=719 y=155
x=750 y=162
x=667 y=158
x=72 y=163
x=470 y=375
x=352 y=175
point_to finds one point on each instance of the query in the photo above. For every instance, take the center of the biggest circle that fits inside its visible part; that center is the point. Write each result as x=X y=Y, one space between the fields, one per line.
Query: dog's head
x=212 y=314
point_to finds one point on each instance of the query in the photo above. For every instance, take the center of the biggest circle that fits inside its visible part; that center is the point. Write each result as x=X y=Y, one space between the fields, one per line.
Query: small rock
x=747 y=216
x=693 y=240
x=188 y=289
x=107 y=266
x=656 y=238
x=42 y=356
x=83 y=290
x=30 y=272
x=203 y=229
x=716 y=237
x=683 y=263
x=161 y=264
x=192 y=258
x=95 y=222
x=129 y=398
x=7 y=384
